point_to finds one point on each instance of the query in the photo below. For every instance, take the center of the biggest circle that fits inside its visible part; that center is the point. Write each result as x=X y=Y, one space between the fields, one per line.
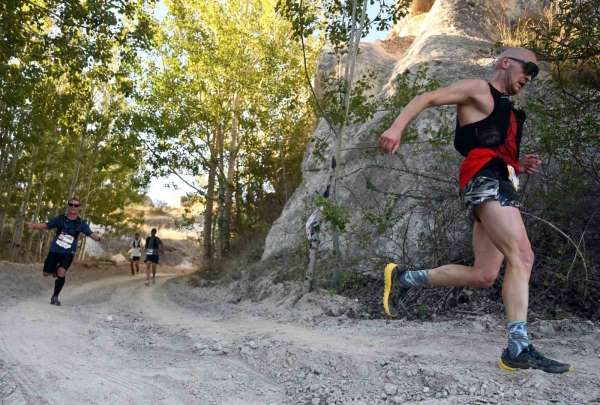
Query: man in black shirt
x=64 y=245
x=154 y=248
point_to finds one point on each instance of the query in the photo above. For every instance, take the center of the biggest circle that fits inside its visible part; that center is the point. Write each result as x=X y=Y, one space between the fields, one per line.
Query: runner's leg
x=506 y=230
x=482 y=274
x=148 y=264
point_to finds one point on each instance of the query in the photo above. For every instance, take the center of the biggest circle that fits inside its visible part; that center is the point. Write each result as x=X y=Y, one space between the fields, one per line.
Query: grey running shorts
x=482 y=189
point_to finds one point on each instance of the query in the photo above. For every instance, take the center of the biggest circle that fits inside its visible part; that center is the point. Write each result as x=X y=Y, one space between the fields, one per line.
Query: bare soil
x=116 y=341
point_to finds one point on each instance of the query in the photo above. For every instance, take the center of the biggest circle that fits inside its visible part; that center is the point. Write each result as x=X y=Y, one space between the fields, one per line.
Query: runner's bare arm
x=459 y=93
x=37 y=225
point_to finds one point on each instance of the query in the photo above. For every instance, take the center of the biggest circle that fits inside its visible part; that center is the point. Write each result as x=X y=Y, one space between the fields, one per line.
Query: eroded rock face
x=406 y=206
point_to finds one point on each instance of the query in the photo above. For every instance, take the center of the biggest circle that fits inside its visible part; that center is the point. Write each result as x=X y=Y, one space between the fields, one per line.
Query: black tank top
x=490 y=131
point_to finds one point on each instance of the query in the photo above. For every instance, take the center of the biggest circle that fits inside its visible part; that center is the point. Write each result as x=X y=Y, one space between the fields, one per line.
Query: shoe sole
x=387 y=277
x=503 y=366
x=506 y=367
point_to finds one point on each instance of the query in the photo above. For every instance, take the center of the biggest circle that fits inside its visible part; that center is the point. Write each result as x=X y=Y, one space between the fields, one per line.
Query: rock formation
x=405 y=206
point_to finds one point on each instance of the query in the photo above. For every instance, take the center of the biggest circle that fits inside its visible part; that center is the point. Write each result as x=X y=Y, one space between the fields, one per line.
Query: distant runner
x=154 y=248
x=64 y=245
x=135 y=248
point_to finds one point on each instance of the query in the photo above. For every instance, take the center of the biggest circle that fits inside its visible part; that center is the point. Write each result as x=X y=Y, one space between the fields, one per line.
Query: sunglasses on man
x=74 y=205
x=529 y=68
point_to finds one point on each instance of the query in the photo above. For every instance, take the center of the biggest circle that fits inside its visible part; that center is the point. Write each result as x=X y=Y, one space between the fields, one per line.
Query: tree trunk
x=75 y=179
x=208 y=209
x=7 y=189
x=20 y=218
x=86 y=204
x=355 y=35
x=221 y=195
x=229 y=181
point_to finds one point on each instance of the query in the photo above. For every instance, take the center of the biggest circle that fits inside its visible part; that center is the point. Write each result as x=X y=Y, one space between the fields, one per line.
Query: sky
x=170 y=189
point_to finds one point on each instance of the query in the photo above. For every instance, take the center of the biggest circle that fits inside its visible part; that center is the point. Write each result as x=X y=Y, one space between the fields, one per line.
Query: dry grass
x=163 y=219
x=519 y=32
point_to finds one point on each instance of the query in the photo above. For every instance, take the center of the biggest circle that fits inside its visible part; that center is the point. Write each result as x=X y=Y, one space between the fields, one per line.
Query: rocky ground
x=115 y=340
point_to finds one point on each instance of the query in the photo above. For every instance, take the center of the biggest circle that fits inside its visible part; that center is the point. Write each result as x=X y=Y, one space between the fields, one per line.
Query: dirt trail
x=116 y=341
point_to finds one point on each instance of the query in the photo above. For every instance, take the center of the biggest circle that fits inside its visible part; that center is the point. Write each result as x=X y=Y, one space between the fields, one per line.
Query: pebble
x=390 y=389
x=315 y=401
x=425 y=389
x=397 y=400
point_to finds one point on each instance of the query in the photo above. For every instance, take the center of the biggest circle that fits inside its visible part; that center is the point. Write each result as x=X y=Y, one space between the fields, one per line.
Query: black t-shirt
x=153 y=244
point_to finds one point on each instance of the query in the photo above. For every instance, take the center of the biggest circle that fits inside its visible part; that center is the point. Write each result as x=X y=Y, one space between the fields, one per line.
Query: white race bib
x=65 y=241
x=149 y=252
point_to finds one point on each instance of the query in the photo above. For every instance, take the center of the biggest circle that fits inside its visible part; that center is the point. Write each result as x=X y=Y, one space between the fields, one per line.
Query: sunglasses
x=529 y=68
x=74 y=205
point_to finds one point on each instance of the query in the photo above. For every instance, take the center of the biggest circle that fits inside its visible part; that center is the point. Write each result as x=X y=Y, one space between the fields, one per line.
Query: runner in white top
x=135 y=249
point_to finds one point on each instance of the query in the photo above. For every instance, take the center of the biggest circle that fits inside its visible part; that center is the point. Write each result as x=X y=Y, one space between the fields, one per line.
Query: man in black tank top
x=488 y=134
x=154 y=248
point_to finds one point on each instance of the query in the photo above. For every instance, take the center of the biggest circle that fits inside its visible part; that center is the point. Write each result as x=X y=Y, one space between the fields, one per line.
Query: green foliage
x=385 y=221
x=332 y=17
x=568 y=35
x=65 y=75
x=236 y=107
x=422 y=312
x=566 y=125
x=362 y=107
x=407 y=86
x=334 y=214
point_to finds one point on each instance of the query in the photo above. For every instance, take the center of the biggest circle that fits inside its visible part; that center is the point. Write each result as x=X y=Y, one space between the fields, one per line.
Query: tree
x=214 y=111
x=65 y=73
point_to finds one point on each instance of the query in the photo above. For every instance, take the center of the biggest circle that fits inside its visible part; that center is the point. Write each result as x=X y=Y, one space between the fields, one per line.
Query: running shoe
x=390 y=275
x=531 y=358
x=54 y=301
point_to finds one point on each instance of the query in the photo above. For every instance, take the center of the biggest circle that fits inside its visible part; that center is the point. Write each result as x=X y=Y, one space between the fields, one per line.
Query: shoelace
x=539 y=356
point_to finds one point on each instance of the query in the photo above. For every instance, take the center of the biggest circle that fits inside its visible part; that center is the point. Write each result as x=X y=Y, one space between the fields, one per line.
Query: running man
x=135 y=249
x=63 y=247
x=154 y=248
x=488 y=134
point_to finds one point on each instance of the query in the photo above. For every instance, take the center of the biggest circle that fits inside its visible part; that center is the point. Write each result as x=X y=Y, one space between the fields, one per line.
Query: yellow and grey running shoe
x=531 y=358
x=390 y=274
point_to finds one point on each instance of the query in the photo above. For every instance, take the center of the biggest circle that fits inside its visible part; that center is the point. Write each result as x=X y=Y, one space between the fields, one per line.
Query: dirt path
x=116 y=341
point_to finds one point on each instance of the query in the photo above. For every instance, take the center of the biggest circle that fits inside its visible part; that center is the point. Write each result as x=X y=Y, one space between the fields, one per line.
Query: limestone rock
x=396 y=202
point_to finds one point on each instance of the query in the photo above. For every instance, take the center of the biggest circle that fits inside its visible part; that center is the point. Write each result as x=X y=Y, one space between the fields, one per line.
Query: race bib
x=512 y=176
x=149 y=252
x=65 y=241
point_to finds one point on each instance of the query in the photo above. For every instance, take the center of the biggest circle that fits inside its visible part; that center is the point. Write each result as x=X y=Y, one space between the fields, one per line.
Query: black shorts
x=152 y=258
x=55 y=260
x=135 y=258
x=486 y=186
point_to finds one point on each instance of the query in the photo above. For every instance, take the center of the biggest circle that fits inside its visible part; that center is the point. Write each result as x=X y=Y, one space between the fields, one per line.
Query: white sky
x=161 y=189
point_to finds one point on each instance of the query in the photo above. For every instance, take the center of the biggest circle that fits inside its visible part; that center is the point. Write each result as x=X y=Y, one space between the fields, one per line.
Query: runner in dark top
x=488 y=134
x=64 y=245
x=153 y=248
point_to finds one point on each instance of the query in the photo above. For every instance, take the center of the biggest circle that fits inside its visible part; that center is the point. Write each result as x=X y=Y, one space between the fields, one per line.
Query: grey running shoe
x=531 y=358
